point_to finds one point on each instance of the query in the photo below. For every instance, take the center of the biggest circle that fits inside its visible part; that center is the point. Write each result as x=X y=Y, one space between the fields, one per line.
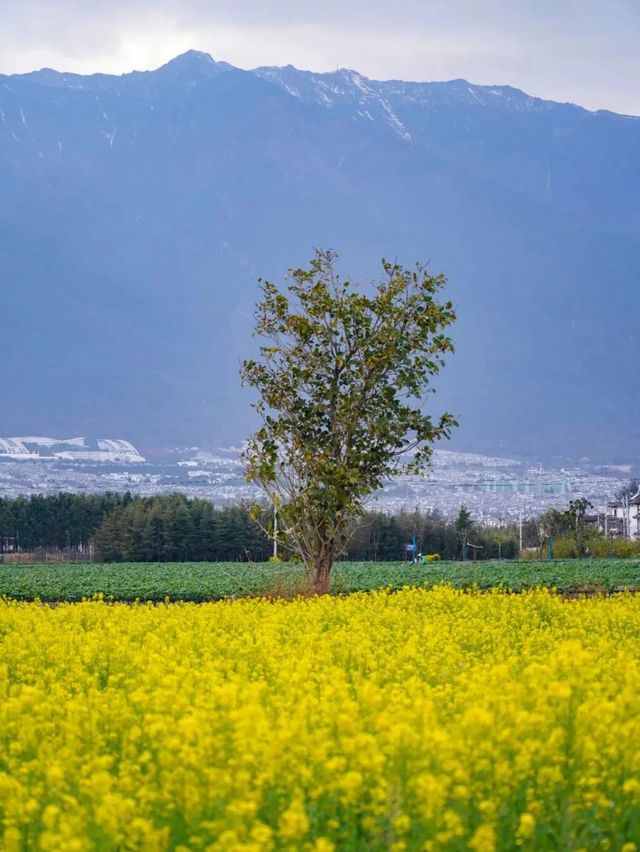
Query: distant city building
x=495 y=489
x=620 y=518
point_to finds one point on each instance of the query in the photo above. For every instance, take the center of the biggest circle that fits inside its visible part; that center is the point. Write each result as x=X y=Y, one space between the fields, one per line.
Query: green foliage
x=176 y=529
x=567 y=529
x=341 y=379
x=62 y=521
x=205 y=580
x=554 y=523
x=123 y=528
x=576 y=512
x=378 y=536
x=565 y=548
x=463 y=523
x=464 y=529
x=621 y=548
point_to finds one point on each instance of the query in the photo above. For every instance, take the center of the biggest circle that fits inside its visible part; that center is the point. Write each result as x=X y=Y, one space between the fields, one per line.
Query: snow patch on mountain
x=108 y=450
x=386 y=101
x=340 y=88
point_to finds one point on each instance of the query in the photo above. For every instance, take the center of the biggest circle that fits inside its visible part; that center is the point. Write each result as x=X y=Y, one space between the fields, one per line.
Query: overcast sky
x=586 y=51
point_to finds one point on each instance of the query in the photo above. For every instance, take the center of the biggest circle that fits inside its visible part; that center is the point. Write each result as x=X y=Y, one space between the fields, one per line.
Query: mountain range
x=138 y=211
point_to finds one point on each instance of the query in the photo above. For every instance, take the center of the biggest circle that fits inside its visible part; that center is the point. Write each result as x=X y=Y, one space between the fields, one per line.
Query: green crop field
x=197 y=581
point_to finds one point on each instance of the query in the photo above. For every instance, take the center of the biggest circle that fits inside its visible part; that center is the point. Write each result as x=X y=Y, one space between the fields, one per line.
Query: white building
x=623 y=518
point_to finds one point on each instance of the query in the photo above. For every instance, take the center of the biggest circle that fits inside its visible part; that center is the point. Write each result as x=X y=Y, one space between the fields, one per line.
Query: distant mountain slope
x=137 y=212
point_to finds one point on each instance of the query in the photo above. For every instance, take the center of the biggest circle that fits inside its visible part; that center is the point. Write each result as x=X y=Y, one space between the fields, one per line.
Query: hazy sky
x=586 y=51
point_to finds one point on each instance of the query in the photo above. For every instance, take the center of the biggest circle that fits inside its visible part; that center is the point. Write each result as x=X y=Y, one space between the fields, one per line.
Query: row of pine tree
x=61 y=521
x=127 y=528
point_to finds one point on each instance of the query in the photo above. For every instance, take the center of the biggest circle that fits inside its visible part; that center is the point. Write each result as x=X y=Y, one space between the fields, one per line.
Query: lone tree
x=464 y=528
x=575 y=516
x=341 y=381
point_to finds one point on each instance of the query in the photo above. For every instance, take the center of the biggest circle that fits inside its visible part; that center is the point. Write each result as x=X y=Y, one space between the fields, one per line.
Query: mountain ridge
x=139 y=210
x=196 y=59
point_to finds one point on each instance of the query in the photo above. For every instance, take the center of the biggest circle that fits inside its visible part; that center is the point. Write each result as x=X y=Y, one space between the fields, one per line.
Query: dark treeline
x=382 y=537
x=61 y=521
x=176 y=529
x=127 y=528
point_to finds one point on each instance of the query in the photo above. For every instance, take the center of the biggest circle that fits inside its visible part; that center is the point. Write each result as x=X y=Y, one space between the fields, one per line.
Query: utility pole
x=606 y=533
x=275 y=531
x=520 y=529
x=626 y=523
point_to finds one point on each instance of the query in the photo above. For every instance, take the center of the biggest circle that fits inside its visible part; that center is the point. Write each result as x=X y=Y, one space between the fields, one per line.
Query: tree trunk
x=322 y=573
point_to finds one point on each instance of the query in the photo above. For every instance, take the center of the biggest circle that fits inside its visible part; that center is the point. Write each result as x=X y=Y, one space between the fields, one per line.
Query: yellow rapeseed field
x=417 y=720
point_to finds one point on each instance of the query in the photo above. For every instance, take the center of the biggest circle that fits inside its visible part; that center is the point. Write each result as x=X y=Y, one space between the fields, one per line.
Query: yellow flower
x=50 y=816
x=631 y=787
x=526 y=826
x=12 y=840
x=323 y=844
x=251 y=726
x=483 y=839
x=261 y=833
x=54 y=775
x=294 y=822
x=402 y=823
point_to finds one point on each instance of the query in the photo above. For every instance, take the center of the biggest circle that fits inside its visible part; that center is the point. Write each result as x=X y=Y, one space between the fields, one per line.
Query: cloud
x=579 y=50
